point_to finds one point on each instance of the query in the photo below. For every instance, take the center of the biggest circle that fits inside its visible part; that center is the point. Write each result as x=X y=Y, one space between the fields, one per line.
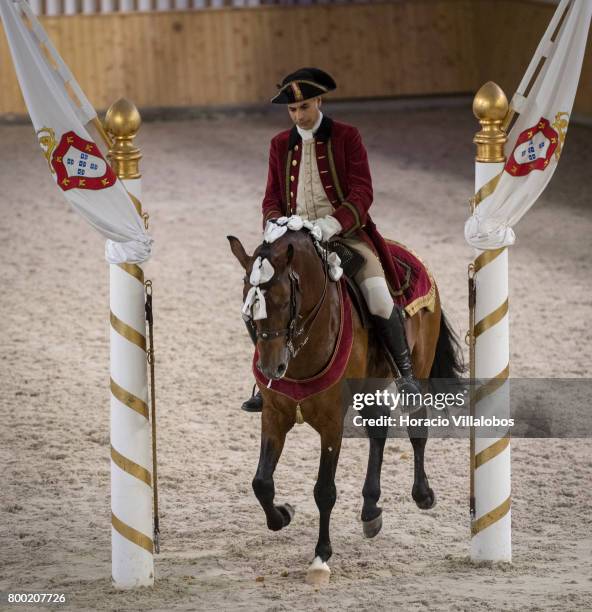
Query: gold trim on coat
x=334 y=176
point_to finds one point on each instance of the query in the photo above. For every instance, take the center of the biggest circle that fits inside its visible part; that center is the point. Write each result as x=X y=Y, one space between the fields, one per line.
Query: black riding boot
x=392 y=334
x=255 y=402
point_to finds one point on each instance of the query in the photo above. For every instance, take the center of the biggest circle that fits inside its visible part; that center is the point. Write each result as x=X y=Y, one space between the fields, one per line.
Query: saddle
x=351 y=262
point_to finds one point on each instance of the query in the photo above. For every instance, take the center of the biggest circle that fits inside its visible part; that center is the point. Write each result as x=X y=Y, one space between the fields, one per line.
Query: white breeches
x=377 y=296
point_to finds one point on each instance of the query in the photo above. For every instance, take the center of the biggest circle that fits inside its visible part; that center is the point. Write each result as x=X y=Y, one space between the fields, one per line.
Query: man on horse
x=319 y=171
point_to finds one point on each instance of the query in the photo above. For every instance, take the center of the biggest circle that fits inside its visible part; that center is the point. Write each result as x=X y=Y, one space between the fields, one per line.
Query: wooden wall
x=507 y=33
x=235 y=56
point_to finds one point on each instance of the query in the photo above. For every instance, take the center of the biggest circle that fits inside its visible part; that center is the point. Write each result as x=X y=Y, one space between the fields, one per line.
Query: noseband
x=293 y=331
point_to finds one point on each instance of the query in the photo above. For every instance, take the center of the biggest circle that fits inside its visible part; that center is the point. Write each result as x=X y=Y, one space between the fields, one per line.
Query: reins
x=291 y=332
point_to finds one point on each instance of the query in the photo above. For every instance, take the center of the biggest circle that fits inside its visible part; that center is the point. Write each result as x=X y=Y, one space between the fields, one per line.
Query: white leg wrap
x=377 y=296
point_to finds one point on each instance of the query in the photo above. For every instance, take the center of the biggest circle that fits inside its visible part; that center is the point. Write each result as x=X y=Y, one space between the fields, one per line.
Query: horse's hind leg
x=425 y=328
x=422 y=494
x=371 y=512
x=274 y=427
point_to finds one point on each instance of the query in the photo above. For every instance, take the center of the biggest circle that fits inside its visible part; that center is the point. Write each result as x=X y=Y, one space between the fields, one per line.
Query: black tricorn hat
x=303 y=84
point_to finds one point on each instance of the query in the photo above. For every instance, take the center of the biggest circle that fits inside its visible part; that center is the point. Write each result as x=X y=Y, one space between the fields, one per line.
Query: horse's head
x=272 y=297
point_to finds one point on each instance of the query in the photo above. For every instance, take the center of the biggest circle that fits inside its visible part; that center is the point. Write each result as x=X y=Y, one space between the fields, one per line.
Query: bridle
x=293 y=331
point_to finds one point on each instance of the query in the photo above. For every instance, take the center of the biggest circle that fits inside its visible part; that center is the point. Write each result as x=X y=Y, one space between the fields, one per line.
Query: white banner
x=59 y=109
x=537 y=138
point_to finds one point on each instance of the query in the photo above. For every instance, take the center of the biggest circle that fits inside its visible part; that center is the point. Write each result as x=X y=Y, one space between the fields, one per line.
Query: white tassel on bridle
x=254 y=306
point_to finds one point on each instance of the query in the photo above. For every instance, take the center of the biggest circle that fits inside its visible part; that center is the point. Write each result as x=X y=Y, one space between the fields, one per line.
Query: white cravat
x=309 y=134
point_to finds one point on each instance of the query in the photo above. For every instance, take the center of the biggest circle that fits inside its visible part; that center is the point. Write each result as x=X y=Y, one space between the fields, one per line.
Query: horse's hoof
x=371 y=528
x=288 y=512
x=318 y=573
x=428 y=503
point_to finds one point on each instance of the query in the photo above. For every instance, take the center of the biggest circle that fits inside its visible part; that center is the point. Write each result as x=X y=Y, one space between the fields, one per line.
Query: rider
x=335 y=193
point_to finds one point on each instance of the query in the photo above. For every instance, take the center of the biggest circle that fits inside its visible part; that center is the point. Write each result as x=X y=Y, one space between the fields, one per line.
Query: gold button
x=296 y=148
x=292 y=178
x=294 y=162
x=291 y=194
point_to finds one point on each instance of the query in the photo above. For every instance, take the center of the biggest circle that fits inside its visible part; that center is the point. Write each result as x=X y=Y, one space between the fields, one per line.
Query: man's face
x=305 y=114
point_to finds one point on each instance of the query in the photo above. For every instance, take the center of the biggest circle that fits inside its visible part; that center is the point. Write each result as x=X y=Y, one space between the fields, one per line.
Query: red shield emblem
x=533 y=149
x=79 y=164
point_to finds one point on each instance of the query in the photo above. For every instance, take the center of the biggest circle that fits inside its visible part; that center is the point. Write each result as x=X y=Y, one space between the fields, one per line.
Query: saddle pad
x=417 y=288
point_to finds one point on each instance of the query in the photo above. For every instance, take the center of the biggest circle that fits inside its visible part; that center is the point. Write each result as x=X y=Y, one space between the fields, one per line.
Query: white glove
x=329 y=227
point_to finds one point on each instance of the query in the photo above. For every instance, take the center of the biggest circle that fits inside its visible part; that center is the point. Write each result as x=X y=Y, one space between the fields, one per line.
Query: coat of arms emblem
x=534 y=148
x=79 y=164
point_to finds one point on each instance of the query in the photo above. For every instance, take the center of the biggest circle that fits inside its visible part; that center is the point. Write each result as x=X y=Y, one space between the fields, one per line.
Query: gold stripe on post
x=128 y=332
x=491 y=319
x=486 y=258
x=492 y=385
x=131 y=534
x=487 y=189
x=491 y=517
x=130 y=400
x=492 y=451
x=133 y=270
x=132 y=468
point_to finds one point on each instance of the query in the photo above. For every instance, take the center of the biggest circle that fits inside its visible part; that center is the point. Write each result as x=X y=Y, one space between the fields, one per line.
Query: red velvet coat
x=345 y=174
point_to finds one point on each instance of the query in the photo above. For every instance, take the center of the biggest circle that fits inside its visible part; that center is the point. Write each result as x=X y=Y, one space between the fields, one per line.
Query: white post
x=145 y=5
x=36 y=6
x=181 y=5
x=131 y=473
x=126 y=6
x=52 y=7
x=490 y=457
x=162 y=5
x=106 y=6
x=89 y=7
x=70 y=7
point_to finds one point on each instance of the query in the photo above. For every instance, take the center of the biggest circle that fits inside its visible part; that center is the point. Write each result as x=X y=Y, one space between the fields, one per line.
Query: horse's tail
x=448 y=361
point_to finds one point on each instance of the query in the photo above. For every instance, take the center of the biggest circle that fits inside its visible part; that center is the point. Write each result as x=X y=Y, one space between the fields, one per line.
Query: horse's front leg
x=325 y=495
x=274 y=427
x=422 y=494
x=371 y=512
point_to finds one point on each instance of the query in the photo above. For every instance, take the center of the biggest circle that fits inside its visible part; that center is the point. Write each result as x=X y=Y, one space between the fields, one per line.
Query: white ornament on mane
x=276 y=228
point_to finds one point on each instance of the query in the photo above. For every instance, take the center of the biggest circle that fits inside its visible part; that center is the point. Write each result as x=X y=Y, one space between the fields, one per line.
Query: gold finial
x=122 y=122
x=490 y=106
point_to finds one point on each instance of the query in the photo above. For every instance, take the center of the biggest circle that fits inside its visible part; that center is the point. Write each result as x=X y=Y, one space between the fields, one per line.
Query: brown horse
x=302 y=305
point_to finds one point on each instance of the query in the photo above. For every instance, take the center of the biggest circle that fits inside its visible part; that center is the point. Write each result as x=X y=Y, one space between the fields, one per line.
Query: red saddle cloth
x=417 y=288
x=300 y=390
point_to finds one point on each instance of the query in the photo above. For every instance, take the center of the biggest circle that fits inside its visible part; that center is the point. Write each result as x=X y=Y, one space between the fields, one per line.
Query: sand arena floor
x=204 y=179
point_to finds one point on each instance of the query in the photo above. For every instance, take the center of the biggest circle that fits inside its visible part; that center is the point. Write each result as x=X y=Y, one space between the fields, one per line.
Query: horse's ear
x=239 y=251
x=289 y=255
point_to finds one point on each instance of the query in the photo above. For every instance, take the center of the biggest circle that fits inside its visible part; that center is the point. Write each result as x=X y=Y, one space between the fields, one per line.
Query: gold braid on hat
x=305 y=82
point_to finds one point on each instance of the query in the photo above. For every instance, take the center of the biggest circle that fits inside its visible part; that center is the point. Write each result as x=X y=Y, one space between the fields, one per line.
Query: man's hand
x=329 y=227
